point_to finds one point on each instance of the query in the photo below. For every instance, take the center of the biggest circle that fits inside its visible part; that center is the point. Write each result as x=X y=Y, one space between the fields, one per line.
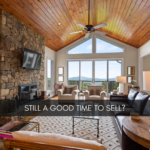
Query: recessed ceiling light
x=59 y=24
x=40 y=0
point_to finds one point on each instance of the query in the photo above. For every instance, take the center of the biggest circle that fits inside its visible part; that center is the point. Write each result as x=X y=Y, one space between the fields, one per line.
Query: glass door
x=101 y=73
x=73 y=73
x=114 y=69
x=49 y=75
x=86 y=74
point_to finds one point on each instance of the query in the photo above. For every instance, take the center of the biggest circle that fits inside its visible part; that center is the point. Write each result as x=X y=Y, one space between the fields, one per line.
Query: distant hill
x=90 y=79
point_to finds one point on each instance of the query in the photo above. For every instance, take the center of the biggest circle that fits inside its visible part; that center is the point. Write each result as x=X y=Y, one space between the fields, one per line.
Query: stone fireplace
x=14 y=37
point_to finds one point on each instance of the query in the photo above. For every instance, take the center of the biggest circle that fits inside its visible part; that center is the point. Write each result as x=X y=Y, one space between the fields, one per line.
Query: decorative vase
x=133 y=85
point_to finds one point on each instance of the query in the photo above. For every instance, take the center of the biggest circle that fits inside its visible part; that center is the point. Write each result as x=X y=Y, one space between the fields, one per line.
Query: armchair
x=69 y=92
x=95 y=92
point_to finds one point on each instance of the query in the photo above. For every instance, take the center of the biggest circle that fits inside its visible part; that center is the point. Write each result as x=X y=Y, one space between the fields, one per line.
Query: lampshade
x=146 y=80
x=121 y=79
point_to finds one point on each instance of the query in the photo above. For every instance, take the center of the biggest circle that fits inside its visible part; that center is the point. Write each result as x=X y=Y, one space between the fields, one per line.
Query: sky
x=104 y=47
x=101 y=47
x=85 y=47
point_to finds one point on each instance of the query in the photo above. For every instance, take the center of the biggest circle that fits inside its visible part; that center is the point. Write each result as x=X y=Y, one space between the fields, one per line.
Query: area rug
x=85 y=130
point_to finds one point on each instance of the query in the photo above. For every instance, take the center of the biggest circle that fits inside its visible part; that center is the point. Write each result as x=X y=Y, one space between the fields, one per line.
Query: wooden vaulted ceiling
x=127 y=20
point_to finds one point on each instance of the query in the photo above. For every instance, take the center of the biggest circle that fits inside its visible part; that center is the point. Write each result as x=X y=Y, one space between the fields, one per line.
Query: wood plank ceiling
x=127 y=20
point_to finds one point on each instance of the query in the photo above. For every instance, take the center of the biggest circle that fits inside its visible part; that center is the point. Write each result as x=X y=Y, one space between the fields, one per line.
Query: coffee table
x=93 y=116
x=138 y=130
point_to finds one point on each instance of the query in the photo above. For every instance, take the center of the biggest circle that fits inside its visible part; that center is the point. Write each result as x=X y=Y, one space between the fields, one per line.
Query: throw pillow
x=140 y=102
x=98 y=92
x=68 y=90
x=91 y=92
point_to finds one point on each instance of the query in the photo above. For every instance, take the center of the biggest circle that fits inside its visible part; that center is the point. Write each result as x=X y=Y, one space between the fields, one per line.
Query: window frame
x=52 y=74
x=110 y=42
x=93 y=37
x=79 y=43
x=93 y=69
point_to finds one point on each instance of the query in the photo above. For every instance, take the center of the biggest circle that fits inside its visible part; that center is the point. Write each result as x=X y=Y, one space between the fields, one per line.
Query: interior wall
x=14 y=37
x=143 y=51
x=49 y=53
x=130 y=56
x=146 y=63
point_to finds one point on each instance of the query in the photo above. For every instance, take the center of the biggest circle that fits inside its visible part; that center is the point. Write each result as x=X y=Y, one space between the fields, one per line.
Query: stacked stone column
x=14 y=37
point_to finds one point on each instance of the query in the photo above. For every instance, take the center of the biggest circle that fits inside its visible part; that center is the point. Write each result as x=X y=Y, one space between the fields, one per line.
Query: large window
x=98 y=72
x=95 y=45
x=86 y=74
x=73 y=73
x=114 y=69
x=101 y=73
x=83 y=48
x=50 y=77
x=105 y=47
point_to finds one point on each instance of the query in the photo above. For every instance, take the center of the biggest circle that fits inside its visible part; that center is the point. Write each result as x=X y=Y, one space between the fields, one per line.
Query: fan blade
x=100 y=25
x=101 y=32
x=81 y=25
x=87 y=34
x=76 y=32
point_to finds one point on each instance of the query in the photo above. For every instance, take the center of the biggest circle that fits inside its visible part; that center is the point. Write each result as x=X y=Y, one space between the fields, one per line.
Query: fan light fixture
x=59 y=24
x=40 y=0
x=89 y=28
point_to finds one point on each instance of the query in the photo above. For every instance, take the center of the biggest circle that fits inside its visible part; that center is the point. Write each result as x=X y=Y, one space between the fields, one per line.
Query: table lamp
x=121 y=80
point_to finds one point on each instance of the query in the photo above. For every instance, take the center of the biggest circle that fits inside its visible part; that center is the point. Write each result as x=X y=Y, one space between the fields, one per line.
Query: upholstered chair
x=69 y=92
x=95 y=92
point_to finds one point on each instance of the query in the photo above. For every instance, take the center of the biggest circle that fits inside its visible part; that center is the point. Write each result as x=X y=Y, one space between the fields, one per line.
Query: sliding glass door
x=101 y=73
x=86 y=74
x=73 y=73
x=50 y=75
x=114 y=69
x=97 y=72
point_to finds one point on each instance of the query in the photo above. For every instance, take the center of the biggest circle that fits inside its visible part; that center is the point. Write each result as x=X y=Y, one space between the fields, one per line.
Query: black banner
x=75 y=108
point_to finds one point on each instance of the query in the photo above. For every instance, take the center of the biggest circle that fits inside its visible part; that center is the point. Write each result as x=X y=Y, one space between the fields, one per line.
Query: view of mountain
x=90 y=79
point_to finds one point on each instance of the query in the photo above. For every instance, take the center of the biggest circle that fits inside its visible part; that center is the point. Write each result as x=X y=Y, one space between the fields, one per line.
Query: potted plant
x=134 y=83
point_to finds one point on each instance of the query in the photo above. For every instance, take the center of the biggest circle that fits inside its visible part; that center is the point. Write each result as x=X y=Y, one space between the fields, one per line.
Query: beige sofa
x=50 y=141
x=69 y=92
x=95 y=92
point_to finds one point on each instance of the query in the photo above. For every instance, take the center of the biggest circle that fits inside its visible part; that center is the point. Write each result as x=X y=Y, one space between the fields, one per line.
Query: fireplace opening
x=27 y=92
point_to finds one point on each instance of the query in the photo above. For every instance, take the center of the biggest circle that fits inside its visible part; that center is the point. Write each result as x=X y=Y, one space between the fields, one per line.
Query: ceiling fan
x=89 y=28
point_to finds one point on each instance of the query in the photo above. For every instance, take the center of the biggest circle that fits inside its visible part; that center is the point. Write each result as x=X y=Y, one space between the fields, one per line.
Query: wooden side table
x=138 y=130
x=81 y=95
x=135 y=88
x=7 y=129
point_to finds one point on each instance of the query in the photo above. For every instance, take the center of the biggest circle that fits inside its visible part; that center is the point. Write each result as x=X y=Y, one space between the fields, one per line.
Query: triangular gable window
x=105 y=47
x=83 y=48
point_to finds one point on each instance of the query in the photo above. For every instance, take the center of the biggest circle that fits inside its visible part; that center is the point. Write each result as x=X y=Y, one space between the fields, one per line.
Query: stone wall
x=14 y=37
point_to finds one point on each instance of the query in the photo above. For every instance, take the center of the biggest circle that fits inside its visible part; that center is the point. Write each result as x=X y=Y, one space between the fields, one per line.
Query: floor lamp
x=121 y=80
